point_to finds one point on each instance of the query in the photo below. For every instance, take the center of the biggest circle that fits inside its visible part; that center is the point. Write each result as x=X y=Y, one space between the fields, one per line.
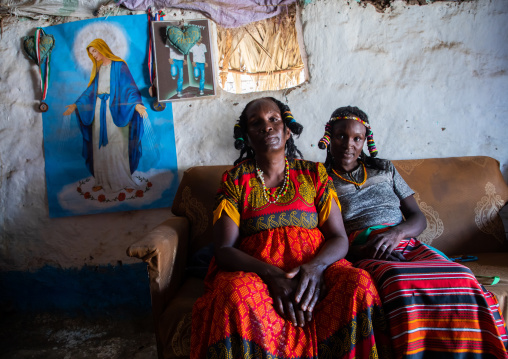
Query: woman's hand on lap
x=310 y=283
x=282 y=289
x=381 y=245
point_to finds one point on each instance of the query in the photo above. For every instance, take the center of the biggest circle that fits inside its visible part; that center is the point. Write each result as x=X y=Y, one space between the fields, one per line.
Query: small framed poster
x=183 y=60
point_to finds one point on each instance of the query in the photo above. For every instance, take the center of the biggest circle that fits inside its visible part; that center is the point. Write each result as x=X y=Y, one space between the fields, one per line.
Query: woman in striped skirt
x=436 y=308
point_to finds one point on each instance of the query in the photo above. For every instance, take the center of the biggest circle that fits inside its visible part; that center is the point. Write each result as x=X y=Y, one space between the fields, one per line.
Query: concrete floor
x=54 y=337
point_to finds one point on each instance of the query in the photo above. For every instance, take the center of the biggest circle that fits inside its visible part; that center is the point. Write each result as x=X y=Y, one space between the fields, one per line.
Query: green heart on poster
x=183 y=39
x=46 y=45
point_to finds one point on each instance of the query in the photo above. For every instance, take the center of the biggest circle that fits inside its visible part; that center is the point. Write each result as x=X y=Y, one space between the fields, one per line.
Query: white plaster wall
x=433 y=79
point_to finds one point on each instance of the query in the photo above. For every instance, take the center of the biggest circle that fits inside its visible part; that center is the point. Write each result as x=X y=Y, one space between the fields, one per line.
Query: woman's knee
x=245 y=288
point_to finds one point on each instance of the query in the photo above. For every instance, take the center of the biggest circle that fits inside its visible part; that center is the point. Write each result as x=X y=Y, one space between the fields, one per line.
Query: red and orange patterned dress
x=235 y=318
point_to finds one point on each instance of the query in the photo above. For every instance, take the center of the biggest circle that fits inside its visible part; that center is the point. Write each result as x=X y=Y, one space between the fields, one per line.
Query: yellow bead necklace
x=353 y=182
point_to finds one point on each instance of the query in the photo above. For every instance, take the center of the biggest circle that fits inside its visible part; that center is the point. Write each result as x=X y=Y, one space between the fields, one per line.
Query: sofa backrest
x=460 y=197
x=195 y=199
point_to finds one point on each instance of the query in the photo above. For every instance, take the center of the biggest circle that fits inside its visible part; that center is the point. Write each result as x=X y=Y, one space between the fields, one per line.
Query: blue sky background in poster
x=69 y=183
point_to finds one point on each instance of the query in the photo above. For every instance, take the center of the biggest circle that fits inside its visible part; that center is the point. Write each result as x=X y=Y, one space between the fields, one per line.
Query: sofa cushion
x=461 y=198
x=175 y=323
x=490 y=265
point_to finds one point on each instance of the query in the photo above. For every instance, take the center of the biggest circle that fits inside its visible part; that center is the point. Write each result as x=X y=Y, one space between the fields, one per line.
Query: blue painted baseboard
x=121 y=290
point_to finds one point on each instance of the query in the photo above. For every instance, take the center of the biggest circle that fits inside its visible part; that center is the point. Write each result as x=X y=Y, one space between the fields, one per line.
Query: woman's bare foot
x=96 y=188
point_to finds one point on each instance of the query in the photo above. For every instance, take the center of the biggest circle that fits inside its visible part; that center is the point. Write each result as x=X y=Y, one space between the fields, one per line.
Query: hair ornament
x=366 y=124
x=237 y=130
x=325 y=140
x=288 y=116
x=371 y=146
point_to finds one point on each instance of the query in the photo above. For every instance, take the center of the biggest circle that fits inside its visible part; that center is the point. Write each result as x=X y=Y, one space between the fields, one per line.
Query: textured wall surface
x=433 y=79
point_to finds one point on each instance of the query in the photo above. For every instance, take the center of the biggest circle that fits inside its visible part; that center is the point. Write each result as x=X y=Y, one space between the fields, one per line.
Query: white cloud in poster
x=152 y=183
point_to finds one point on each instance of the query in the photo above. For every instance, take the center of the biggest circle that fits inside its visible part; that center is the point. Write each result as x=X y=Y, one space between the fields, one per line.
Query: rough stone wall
x=433 y=80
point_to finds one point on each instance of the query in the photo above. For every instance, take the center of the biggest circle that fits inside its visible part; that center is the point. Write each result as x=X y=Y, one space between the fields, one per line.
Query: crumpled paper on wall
x=226 y=13
x=43 y=9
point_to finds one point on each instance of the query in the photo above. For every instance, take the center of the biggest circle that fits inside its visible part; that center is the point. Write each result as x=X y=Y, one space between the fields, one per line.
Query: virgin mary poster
x=106 y=148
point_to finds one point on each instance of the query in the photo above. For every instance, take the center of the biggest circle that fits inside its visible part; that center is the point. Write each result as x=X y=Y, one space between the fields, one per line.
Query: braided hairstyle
x=240 y=132
x=341 y=112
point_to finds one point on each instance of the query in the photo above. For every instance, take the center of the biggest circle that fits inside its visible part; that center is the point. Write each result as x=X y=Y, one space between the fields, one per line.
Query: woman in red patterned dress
x=279 y=286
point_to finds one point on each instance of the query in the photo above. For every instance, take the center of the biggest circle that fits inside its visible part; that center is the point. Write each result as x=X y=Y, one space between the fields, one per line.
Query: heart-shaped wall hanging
x=183 y=39
x=46 y=45
x=38 y=48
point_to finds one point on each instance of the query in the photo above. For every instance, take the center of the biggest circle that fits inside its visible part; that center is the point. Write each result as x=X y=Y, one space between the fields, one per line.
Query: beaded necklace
x=282 y=190
x=358 y=185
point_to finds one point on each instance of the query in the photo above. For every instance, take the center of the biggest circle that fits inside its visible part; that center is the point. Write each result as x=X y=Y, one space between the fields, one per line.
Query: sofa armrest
x=164 y=249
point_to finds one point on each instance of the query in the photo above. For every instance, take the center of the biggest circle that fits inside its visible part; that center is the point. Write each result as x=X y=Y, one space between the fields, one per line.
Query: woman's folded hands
x=295 y=293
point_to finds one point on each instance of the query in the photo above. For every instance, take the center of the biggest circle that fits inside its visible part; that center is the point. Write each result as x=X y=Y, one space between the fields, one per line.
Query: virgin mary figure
x=110 y=115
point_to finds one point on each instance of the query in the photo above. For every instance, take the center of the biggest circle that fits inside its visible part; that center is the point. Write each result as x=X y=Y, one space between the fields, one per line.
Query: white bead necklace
x=282 y=190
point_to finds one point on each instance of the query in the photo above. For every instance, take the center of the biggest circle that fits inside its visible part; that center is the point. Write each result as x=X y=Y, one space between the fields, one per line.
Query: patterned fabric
x=436 y=308
x=306 y=201
x=236 y=318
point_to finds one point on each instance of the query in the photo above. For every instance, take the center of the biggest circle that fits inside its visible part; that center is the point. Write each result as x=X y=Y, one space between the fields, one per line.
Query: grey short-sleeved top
x=377 y=201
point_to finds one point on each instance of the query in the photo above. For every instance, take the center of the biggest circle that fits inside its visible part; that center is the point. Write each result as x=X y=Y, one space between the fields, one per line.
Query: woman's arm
x=229 y=258
x=334 y=248
x=381 y=246
x=226 y=235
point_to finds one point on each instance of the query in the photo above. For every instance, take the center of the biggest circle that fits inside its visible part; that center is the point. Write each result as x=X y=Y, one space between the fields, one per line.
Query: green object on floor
x=495 y=279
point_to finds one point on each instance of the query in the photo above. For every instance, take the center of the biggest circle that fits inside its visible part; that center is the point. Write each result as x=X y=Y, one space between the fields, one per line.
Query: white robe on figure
x=110 y=162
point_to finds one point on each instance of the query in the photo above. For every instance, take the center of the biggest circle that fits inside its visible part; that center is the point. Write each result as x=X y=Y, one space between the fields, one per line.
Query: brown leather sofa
x=461 y=198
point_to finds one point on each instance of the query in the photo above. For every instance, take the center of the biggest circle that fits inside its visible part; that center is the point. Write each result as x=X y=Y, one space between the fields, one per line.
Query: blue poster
x=106 y=148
